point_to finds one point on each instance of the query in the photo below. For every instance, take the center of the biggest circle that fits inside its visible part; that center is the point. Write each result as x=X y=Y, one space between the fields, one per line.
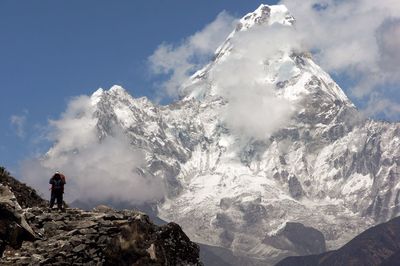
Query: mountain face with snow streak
x=243 y=157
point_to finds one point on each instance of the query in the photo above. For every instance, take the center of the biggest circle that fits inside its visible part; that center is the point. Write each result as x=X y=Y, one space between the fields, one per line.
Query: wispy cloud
x=18 y=123
x=178 y=62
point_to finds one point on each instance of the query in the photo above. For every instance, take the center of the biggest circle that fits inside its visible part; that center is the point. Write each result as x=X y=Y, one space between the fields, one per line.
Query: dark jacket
x=57 y=182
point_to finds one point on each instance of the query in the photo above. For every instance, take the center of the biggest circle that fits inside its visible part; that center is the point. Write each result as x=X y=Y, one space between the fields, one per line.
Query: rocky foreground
x=104 y=236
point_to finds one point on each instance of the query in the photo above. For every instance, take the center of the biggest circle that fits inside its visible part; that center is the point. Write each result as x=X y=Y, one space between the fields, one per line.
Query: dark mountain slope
x=379 y=245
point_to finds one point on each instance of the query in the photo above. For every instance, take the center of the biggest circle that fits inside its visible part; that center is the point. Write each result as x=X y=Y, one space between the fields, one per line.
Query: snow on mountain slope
x=323 y=166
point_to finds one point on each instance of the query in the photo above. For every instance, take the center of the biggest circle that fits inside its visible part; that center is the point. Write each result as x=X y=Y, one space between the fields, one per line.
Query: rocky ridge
x=25 y=195
x=104 y=236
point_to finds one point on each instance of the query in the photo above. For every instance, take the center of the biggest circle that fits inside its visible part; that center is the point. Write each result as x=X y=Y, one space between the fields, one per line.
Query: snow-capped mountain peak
x=266 y=14
x=290 y=72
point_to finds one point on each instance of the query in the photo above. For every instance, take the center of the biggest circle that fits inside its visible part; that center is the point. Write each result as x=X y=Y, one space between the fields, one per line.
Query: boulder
x=13 y=227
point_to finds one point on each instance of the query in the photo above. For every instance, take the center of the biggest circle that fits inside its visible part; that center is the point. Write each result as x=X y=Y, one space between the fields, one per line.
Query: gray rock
x=299 y=239
x=79 y=248
x=86 y=238
x=13 y=227
x=295 y=188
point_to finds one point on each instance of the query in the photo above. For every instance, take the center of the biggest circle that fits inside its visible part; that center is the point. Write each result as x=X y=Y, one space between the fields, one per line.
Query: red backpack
x=63 y=178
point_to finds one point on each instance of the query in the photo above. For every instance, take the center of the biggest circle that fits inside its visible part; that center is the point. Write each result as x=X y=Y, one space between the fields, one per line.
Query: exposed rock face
x=298 y=239
x=379 y=245
x=295 y=189
x=26 y=196
x=78 y=237
x=13 y=227
x=103 y=236
x=142 y=243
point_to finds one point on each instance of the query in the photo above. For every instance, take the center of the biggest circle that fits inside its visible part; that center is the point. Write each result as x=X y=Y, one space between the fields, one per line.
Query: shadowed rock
x=13 y=227
x=26 y=196
x=379 y=245
x=298 y=239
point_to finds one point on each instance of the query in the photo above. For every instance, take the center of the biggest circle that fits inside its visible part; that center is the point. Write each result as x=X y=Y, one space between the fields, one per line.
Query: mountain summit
x=262 y=145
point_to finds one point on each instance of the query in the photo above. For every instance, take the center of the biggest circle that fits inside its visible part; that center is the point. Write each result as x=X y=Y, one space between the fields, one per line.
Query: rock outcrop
x=25 y=195
x=103 y=236
x=379 y=245
x=13 y=227
x=298 y=239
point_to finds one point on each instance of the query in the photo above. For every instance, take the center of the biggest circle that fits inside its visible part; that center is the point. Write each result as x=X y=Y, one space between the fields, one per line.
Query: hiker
x=57 y=183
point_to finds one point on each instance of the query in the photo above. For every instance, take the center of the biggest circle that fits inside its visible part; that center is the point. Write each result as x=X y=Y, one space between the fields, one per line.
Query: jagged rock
x=81 y=237
x=113 y=216
x=79 y=248
x=13 y=227
x=76 y=237
x=103 y=209
x=142 y=243
x=295 y=188
x=26 y=196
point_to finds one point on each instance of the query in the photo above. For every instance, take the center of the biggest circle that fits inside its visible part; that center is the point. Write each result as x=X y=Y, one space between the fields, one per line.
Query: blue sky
x=52 y=51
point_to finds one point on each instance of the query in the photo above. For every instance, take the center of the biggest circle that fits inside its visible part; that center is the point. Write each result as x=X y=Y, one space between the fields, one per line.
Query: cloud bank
x=105 y=170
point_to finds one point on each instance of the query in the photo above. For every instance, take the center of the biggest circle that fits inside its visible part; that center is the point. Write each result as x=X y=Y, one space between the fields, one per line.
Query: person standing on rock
x=57 y=183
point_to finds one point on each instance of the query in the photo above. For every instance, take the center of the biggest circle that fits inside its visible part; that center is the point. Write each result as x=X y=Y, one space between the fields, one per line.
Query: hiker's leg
x=59 y=200
x=52 y=199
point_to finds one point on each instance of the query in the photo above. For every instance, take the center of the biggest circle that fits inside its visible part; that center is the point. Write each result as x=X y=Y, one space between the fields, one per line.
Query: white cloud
x=359 y=38
x=105 y=170
x=253 y=109
x=388 y=38
x=18 y=123
x=179 y=62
